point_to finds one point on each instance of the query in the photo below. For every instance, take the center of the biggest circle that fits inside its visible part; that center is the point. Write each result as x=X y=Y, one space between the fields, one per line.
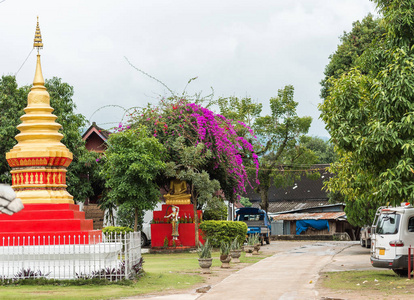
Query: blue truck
x=257 y=221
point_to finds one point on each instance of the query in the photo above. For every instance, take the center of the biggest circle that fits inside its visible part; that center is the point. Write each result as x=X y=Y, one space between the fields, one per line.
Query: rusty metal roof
x=310 y=216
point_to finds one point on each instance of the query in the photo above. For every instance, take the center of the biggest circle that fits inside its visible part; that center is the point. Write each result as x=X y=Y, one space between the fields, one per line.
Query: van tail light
x=398 y=243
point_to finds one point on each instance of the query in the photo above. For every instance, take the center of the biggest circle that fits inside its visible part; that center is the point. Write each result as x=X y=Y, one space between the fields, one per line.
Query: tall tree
x=203 y=148
x=12 y=102
x=133 y=161
x=352 y=46
x=278 y=133
x=369 y=116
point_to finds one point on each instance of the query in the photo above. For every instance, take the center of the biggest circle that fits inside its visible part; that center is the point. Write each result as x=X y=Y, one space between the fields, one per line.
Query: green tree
x=323 y=150
x=203 y=149
x=133 y=161
x=12 y=102
x=245 y=202
x=369 y=116
x=352 y=46
x=278 y=135
x=82 y=171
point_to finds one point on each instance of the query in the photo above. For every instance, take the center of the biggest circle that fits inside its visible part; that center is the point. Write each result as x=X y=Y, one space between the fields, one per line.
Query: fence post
x=409 y=262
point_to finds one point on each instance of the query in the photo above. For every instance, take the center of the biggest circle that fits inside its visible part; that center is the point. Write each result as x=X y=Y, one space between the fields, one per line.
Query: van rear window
x=259 y=217
x=388 y=224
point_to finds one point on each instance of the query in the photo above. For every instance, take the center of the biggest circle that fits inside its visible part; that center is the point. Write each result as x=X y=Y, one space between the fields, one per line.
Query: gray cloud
x=239 y=48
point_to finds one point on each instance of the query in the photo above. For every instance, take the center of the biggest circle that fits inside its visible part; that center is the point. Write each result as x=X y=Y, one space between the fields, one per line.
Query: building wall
x=95 y=143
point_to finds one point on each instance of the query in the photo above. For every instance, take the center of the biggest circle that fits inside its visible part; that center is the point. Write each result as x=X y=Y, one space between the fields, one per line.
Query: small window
x=411 y=224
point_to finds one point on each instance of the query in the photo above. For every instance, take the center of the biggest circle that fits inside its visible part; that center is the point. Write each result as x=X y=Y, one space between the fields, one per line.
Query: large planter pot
x=205 y=264
x=249 y=250
x=225 y=261
x=256 y=249
x=235 y=254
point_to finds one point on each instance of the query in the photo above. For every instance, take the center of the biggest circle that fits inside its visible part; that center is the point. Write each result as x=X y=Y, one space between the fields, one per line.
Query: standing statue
x=177 y=193
x=174 y=221
x=9 y=204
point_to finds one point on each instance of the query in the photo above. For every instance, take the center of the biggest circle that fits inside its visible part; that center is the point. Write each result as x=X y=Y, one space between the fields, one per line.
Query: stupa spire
x=39 y=160
x=38 y=79
x=38 y=38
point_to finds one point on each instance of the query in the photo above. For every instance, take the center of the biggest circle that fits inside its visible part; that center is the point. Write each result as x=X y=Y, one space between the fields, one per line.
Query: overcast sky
x=240 y=48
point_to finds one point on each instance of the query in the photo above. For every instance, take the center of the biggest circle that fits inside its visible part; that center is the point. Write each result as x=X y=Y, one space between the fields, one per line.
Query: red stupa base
x=162 y=230
x=47 y=224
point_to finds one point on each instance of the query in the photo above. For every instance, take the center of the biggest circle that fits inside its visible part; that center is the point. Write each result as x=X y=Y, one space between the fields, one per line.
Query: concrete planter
x=205 y=264
x=225 y=261
x=249 y=250
x=256 y=249
x=235 y=254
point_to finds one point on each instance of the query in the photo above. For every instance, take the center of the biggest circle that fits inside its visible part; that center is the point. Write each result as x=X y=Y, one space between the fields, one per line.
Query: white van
x=392 y=234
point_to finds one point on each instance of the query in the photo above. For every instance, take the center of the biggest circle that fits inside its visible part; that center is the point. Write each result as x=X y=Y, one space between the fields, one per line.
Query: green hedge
x=227 y=231
x=116 y=230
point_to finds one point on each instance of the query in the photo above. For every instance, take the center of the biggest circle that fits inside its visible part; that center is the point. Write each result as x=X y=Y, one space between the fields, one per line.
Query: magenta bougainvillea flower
x=201 y=125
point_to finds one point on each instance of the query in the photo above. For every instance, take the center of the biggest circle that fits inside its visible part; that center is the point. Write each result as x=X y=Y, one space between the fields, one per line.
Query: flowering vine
x=201 y=125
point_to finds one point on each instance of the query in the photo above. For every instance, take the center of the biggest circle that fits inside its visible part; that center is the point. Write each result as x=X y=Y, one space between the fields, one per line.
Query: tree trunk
x=136 y=220
x=264 y=192
x=195 y=216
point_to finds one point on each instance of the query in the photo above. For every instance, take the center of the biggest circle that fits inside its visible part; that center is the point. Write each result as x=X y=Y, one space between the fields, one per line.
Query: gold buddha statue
x=178 y=193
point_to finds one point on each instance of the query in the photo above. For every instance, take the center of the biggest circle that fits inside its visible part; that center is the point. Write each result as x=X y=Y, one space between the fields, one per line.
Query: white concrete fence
x=71 y=257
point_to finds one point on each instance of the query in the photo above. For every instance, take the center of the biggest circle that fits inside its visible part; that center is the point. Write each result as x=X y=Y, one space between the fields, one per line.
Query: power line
x=24 y=60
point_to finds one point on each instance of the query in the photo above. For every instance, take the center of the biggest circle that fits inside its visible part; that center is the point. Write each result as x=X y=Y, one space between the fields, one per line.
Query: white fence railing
x=71 y=257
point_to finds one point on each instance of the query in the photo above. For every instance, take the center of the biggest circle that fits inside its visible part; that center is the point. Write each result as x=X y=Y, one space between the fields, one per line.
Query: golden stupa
x=39 y=160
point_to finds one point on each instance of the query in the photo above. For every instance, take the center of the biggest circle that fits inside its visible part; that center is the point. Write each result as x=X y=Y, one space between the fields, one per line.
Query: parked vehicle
x=365 y=236
x=392 y=234
x=146 y=225
x=145 y=234
x=257 y=221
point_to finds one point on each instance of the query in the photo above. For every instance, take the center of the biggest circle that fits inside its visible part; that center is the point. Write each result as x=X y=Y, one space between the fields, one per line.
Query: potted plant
x=250 y=248
x=256 y=244
x=225 y=255
x=235 y=250
x=204 y=253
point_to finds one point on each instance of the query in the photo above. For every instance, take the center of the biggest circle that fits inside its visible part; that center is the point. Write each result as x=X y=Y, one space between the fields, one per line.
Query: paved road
x=291 y=273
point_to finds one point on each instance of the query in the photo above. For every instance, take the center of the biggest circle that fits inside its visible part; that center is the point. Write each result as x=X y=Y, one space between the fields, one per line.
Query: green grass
x=163 y=272
x=384 y=281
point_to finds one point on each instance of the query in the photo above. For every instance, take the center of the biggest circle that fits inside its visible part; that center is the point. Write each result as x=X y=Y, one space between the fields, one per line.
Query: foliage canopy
x=369 y=114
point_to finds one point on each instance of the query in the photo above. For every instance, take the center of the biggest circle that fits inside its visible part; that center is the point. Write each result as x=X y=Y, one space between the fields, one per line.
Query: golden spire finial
x=38 y=38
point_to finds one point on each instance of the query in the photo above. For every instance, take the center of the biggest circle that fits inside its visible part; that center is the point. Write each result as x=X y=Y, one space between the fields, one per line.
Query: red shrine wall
x=48 y=224
x=161 y=228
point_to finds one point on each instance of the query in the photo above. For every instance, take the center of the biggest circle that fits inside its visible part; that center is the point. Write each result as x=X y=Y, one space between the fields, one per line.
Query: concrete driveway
x=291 y=273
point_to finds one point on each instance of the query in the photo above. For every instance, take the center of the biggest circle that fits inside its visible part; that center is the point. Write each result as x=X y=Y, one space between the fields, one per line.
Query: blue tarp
x=302 y=225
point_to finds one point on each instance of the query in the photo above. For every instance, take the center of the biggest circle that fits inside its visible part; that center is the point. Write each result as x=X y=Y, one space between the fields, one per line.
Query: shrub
x=116 y=230
x=223 y=231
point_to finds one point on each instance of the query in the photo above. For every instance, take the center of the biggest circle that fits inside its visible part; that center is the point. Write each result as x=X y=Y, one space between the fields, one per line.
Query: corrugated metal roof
x=310 y=216
x=282 y=206
x=302 y=189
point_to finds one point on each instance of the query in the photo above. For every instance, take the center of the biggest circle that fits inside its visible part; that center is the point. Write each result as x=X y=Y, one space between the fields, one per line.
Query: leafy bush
x=29 y=274
x=113 y=274
x=116 y=230
x=223 y=231
x=215 y=210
